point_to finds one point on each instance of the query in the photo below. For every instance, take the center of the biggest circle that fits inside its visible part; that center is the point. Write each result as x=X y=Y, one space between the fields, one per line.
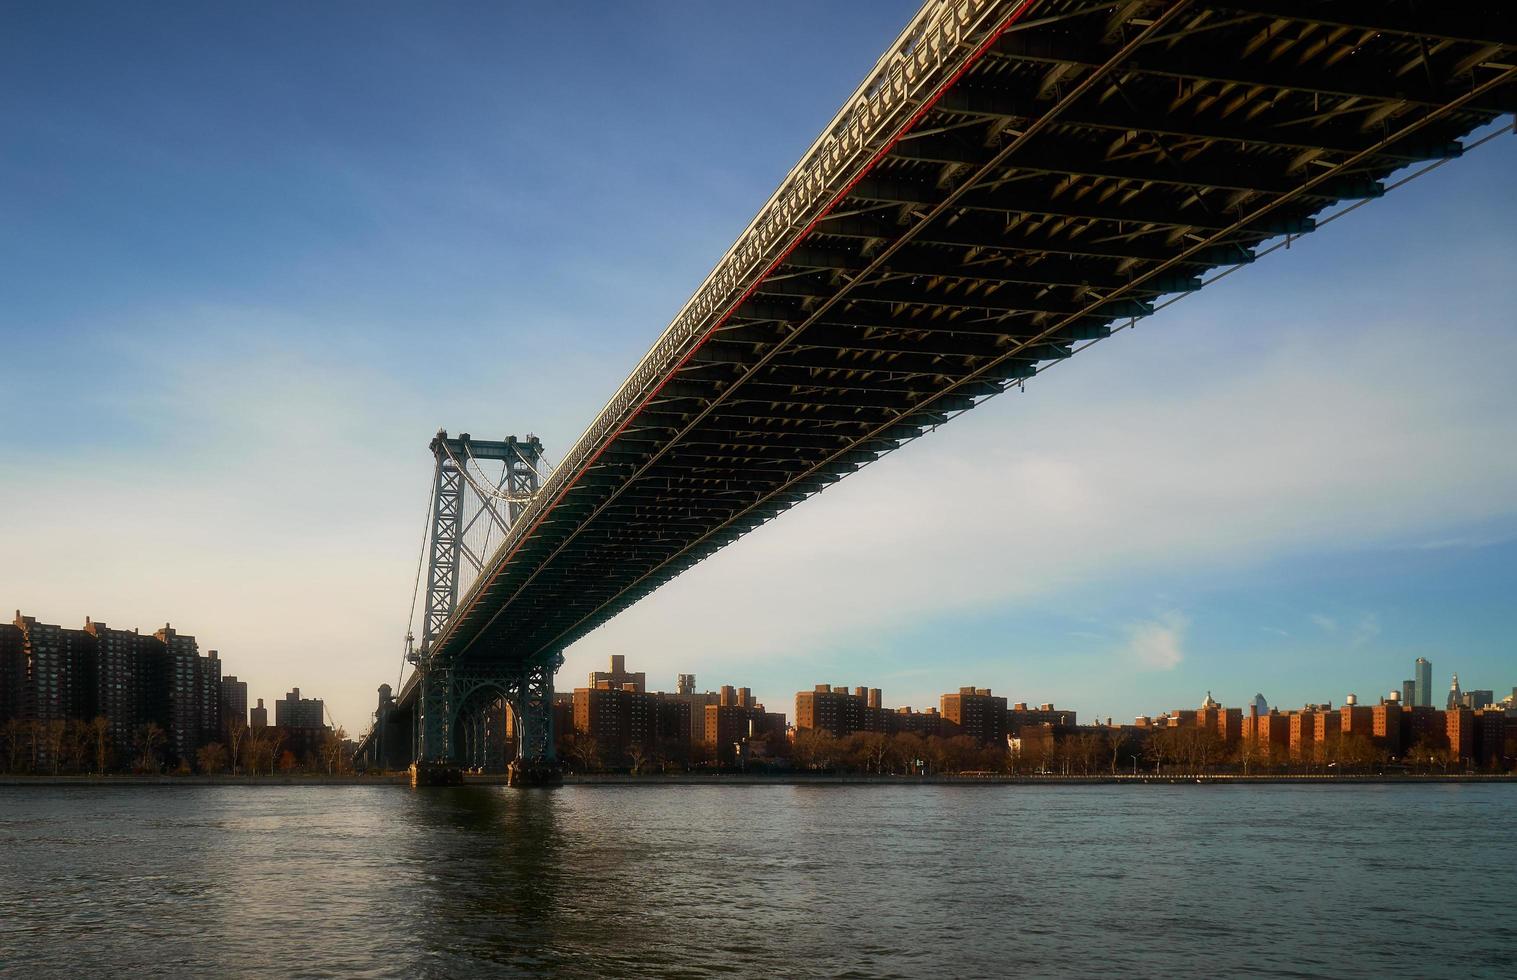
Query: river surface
x=855 y=881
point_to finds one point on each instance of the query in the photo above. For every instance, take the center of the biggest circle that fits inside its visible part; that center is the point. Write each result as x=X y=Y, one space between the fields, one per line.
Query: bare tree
x=637 y=753
x=331 y=749
x=583 y=750
x=150 y=739
x=76 y=745
x=1115 y=739
x=100 y=733
x=54 y=733
x=276 y=741
x=14 y=733
x=236 y=732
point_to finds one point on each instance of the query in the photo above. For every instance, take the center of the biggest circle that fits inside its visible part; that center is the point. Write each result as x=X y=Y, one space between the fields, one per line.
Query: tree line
x=79 y=747
x=1087 y=752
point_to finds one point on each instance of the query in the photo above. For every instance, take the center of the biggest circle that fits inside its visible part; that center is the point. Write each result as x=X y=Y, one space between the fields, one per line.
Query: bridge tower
x=461 y=717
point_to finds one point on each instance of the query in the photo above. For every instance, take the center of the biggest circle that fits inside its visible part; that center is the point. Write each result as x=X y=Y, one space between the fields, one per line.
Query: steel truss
x=462 y=709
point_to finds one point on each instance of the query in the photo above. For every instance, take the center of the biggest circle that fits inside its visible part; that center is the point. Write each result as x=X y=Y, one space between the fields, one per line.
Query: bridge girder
x=1010 y=183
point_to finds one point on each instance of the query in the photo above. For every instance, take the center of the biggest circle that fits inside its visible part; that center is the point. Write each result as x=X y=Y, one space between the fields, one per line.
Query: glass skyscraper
x=1423 y=675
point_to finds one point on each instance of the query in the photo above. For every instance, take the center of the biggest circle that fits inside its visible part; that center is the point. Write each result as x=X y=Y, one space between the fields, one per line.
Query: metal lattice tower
x=462 y=710
x=469 y=510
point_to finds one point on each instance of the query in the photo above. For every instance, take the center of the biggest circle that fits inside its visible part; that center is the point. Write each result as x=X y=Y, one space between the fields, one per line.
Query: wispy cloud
x=1158 y=644
x=1327 y=623
x=1366 y=630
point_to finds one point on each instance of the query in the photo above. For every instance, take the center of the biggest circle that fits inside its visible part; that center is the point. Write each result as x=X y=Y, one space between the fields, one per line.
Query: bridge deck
x=1010 y=180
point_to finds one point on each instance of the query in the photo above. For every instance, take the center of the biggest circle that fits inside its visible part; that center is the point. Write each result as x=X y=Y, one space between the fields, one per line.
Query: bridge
x=1013 y=180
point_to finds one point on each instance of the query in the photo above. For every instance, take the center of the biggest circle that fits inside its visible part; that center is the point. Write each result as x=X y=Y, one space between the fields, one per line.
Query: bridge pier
x=435 y=774
x=460 y=721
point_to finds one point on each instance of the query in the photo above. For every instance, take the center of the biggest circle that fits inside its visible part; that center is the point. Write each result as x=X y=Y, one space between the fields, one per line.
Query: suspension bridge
x=1013 y=181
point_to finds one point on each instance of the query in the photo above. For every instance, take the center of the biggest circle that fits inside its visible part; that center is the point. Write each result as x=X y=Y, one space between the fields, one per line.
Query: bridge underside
x=1012 y=181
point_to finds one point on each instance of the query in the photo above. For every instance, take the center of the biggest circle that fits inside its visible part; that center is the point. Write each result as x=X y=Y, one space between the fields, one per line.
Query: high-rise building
x=190 y=693
x=687 y=709
x=126 y=662
x=234 y=702
x=1386 y=727
x=12 y=671
x=1456 y=696
x=57 y=683
x=208 y=696
x=1408 y=694
x=728 y=724
x=294 y=711
x=1020 y=714
x=616 y=717
x=617 y=678
x=1460 y=730
x=829 y=709
x=1422 y=671
x=685 y=684
x=975 y=712
x=1477 y=699
x=258 y=717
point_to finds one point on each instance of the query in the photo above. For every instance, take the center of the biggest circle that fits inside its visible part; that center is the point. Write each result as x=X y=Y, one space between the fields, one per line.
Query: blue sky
x=253 y=256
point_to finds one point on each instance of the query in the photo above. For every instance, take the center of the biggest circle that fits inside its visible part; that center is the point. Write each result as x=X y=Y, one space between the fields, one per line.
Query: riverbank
x=384 y=779
x=777 y=779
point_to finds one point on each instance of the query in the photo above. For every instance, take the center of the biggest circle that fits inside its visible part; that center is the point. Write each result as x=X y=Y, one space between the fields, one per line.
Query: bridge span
x=1012 y=179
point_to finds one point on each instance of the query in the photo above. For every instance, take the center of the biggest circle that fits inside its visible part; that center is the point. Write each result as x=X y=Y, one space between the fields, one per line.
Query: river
x=840 y=881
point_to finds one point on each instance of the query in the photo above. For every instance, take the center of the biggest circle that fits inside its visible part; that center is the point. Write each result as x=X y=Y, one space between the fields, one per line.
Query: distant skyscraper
x=234 y=701
x=259 y=716
x=1409 y=693
x=1456 y=696
x=1261 y=705
x=1423 y=672
x=294 y=711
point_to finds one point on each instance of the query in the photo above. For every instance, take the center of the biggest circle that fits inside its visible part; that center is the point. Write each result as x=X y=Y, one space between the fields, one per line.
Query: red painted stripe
x=927 y=106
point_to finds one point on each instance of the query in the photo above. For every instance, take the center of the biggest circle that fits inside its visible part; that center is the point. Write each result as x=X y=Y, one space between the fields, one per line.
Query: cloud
x=1367 y=629
x=1327 y=623
x=1156 y=644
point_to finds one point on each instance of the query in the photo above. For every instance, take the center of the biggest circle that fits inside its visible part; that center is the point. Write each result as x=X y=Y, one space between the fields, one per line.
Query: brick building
x=1266 y=734
x=834 y=710
x=619 y=678
x=927 y=723
x=729 y=724
x=126 y=665
x=616 y=718
x=50 y=674
x=1020 y=714
x=975 y=712
x=1459 y=729
x=1385 y=726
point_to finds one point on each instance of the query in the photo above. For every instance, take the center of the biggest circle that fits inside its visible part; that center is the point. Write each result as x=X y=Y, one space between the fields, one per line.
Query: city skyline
x=1249 y=489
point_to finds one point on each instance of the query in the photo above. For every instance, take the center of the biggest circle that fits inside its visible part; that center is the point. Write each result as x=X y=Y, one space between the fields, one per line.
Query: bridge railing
x=932 y=48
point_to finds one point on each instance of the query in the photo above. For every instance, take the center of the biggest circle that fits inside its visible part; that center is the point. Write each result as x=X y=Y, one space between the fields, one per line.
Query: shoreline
x=780 y=779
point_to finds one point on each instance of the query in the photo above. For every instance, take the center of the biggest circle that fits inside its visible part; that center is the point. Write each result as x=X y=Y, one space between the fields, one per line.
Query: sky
x=253 y=256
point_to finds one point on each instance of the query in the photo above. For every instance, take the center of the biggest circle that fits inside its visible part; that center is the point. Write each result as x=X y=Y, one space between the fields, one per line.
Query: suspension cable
x=421 y=560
